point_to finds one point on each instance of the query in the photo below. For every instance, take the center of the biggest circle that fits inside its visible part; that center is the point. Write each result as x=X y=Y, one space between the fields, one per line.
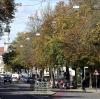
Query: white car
x=1 y=77
x=15 y=77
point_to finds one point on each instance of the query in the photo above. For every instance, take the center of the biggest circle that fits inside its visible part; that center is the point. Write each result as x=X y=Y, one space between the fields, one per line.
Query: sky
x=28 y=8
x=24 y=12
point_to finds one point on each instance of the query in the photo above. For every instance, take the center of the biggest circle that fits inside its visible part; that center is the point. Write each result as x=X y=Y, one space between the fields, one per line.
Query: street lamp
x=85 y=72
x=27 y=38
x=21 y=46
x=76 y=7
x=37 y=34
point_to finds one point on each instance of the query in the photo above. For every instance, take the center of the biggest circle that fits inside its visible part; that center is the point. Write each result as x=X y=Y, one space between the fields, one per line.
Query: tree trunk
x=42 y=73
x=52 y=76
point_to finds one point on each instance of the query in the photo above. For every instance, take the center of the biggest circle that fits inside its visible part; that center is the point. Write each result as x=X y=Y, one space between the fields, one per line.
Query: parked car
x=23 y=78
x=1 y=76
x=7 y=79
x=15 y=77
x=30 y=80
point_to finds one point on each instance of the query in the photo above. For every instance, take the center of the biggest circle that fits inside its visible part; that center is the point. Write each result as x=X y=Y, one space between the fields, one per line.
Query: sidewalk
x=37 y=93
x=88 y=90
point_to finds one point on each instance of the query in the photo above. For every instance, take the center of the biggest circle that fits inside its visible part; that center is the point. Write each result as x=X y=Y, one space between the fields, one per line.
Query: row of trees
x=68 y=37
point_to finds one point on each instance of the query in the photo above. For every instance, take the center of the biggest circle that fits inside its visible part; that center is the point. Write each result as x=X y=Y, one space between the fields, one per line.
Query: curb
x=77 y=90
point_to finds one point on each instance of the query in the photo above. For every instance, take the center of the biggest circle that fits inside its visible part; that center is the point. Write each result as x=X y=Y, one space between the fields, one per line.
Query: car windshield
x=7 y=77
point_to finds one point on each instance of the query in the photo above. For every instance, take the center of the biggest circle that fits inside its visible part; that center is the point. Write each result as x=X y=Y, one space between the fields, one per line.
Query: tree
x=8 y=57
x=7 y=9
x=24 y=49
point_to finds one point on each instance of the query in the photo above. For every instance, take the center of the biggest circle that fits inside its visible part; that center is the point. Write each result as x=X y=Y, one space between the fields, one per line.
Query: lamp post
x=21 y=46
x=96 y=75
x=76 y=7
x=37 y=34
x=85 y=72
x=27 y=38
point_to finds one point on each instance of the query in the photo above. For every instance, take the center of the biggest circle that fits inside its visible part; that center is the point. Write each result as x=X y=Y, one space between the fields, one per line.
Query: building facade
x=1 y=60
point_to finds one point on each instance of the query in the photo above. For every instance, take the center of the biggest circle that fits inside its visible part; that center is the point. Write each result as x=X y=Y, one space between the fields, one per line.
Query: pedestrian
x=61 y=84
x=50 y=83
x=32 y=84
x=84 y=85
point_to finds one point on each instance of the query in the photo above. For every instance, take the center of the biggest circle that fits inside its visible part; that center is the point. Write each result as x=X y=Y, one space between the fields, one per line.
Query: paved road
x=59 y=95
x=14 y=91
x=75 y=95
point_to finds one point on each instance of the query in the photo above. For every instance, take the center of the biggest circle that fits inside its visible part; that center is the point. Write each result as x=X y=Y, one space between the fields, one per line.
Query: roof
x=1 y=50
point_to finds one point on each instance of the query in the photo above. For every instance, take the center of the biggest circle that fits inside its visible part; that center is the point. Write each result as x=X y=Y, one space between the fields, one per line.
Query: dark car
x=7 y=79
x=30 y=80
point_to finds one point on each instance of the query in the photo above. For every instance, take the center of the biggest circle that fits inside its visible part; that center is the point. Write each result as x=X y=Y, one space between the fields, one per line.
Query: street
x=76 y=95
x=22 y=91
x=49 y=49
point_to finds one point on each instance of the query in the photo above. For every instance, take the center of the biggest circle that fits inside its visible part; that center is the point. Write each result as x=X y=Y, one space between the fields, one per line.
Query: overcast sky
x=27 y=9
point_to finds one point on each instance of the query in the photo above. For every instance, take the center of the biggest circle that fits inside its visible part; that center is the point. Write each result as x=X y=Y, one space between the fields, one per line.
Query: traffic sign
x=96 y=72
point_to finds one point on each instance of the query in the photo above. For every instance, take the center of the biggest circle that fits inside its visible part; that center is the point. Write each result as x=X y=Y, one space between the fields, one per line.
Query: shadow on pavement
x=65 y=97
x=23 y=97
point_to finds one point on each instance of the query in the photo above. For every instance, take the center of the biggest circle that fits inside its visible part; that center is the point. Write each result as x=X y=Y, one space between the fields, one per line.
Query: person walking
x=84 y=85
